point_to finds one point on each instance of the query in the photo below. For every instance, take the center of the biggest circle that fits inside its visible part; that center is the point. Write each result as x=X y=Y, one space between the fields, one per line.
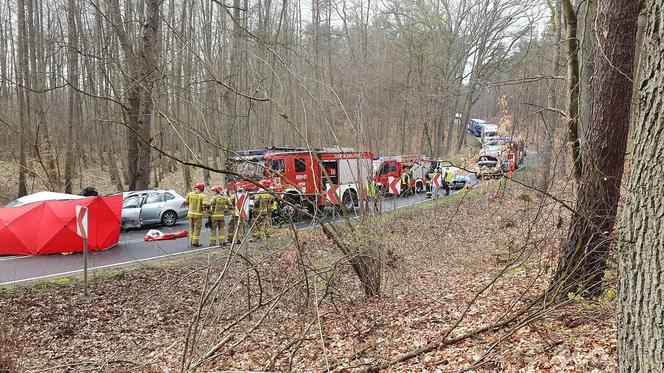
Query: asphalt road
x=131 y=249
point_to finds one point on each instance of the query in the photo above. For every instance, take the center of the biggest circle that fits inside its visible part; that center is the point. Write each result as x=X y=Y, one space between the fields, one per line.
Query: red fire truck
x=250 y=167
x=310 y=178
x=392 y=167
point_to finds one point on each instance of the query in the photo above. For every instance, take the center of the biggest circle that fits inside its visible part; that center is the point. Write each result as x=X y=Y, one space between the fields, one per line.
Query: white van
x=489 y=132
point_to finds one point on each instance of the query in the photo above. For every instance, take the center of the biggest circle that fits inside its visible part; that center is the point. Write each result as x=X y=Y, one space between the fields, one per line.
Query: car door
x=152 y=207
x=131 y=212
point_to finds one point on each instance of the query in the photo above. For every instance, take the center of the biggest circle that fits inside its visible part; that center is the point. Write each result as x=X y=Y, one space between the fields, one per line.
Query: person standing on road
x=429 y=181
x=196 y=203
x=372 y=195
x=447 y=181
x=405 y=182
x=511 y=157
x=262 y=204
x=219 y=204
x=275 y=216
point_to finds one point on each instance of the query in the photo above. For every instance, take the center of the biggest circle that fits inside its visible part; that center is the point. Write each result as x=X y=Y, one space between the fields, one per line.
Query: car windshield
x=246 y=167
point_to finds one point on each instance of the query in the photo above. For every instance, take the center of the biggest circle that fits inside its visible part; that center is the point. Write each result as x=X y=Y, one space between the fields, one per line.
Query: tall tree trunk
x=587 y=13
x=72 y=104
x=21 y=77
x=143 y=73
x=639 y=314
x=583 y=256
x=150 y=55
x=43 y=149
x=573 y=73
x=552 y=117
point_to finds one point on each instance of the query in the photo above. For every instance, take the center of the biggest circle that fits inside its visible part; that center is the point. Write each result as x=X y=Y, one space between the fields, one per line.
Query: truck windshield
x=248 y=168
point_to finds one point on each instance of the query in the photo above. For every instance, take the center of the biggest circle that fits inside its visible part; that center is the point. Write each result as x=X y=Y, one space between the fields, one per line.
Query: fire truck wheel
x=349 y=199
x=288 y=210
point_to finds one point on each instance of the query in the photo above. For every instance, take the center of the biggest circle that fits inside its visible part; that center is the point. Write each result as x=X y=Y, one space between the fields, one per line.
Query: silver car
x=146 y=207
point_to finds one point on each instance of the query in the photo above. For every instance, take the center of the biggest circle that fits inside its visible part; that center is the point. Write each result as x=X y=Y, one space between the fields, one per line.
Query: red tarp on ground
x=167 y=236
x=50 y=227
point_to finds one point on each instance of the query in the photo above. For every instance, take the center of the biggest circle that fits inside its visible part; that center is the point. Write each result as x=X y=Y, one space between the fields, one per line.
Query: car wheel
x=169 y=218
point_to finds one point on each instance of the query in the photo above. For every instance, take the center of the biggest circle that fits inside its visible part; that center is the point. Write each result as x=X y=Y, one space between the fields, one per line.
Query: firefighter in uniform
x=262 y=205
x=429 y=182
x=196 y=203
x=372 y=195
x=405 y=182
x=447 y=181
x=235 y=221
x=275 y=217
x=219 y=204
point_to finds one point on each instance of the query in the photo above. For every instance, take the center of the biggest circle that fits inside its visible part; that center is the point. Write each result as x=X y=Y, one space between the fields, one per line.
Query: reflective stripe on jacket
x=218 y=207
x=196 y=201
x=448 y=176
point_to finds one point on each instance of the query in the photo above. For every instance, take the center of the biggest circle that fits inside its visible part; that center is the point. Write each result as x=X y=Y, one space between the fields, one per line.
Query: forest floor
x=293 y=303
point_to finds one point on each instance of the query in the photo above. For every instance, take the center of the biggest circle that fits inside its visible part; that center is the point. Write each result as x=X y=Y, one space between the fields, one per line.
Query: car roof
x=146 y=191
x=41 y=197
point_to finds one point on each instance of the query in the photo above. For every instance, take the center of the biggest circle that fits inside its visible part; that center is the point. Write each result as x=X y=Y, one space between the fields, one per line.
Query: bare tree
x=584 y=254
x=23 y=106
x=551 y=120
x=72 y=105
x=141 y=74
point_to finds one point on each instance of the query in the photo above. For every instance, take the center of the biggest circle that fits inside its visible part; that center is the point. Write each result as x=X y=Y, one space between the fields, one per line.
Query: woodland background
x=129 y=86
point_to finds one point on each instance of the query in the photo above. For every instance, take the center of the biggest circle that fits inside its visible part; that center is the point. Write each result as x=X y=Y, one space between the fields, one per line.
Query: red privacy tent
x=49 y=227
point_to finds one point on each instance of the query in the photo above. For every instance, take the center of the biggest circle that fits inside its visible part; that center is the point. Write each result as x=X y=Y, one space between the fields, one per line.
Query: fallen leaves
x=439 y=258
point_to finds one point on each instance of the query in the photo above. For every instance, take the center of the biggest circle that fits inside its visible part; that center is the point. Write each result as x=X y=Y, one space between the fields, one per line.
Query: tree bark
x=150 y=55
x=641 y=243
x=72 y=104
x=587 y=13
x=583 y=256
x=142 y=73
x=21 y=77
x=551 y=122
x=573 y=73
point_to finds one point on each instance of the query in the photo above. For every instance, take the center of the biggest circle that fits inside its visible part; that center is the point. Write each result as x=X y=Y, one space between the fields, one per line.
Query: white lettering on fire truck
x=300 y=177
x=347 y=155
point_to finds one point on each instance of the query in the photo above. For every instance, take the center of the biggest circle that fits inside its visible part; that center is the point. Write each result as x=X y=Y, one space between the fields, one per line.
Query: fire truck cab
x=322 y=177
x=392 y=167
